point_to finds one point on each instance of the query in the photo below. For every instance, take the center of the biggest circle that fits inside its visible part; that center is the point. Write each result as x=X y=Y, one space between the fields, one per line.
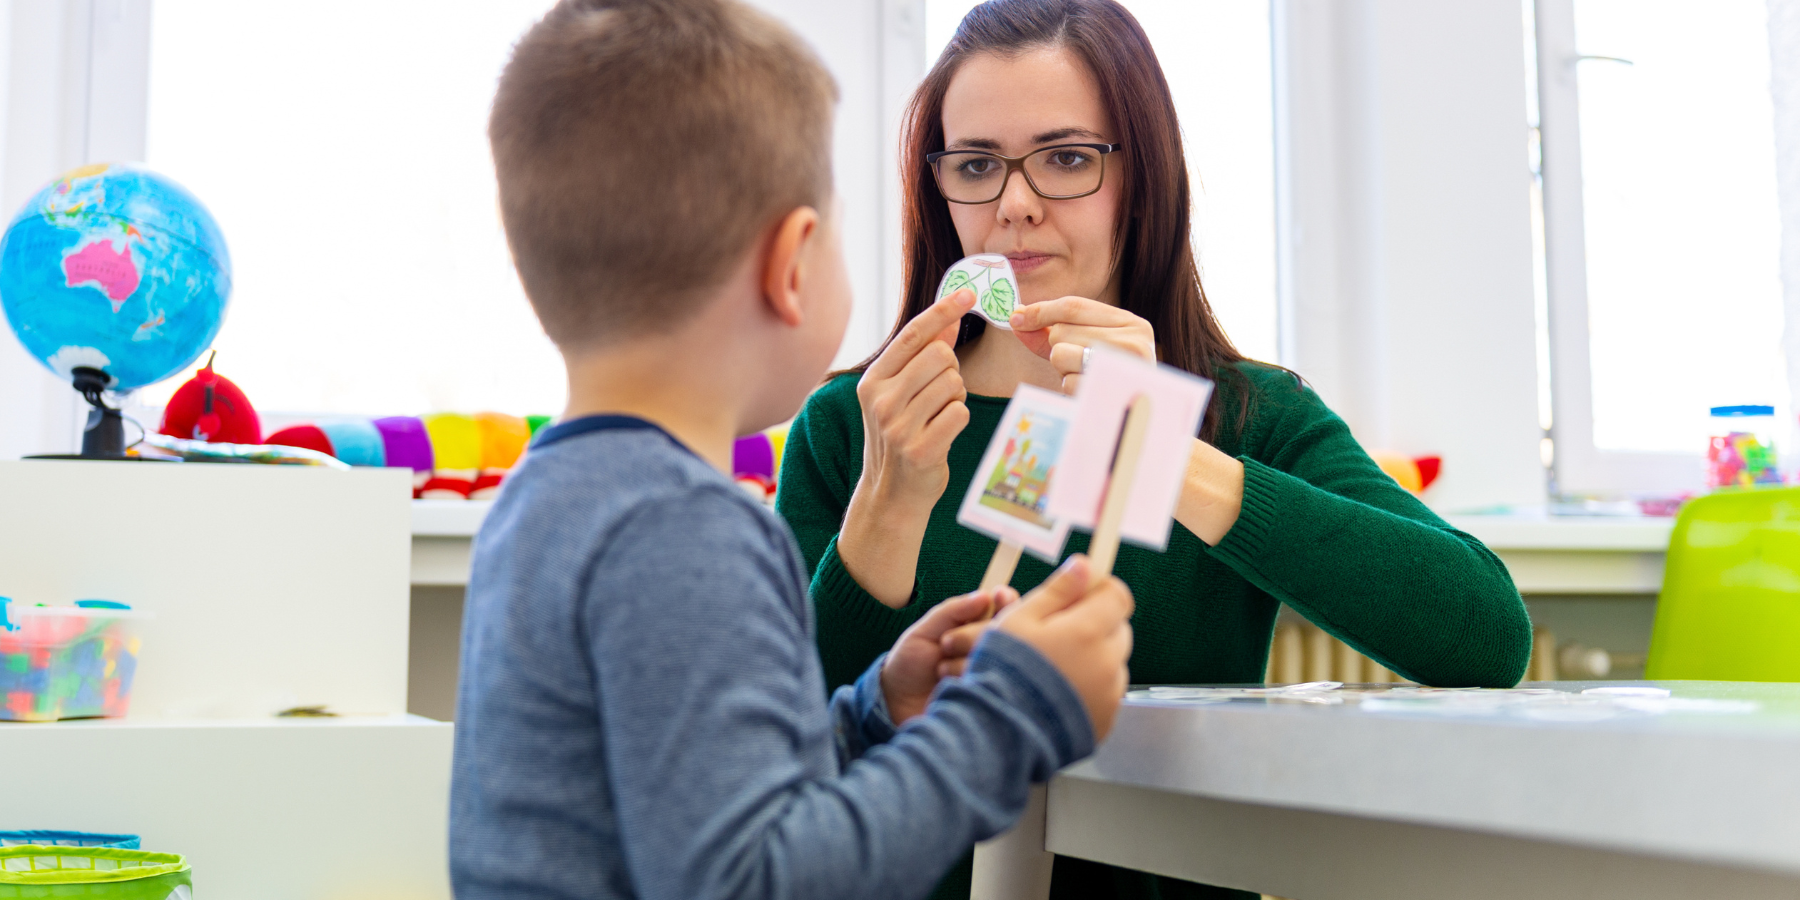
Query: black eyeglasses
x=1061 y=172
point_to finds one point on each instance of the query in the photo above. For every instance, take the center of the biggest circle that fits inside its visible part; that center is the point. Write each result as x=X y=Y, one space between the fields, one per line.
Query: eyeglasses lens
x=975 y=177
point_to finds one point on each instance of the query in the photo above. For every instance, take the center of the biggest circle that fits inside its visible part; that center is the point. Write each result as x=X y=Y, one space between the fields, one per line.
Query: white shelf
x=448 y=518
x=1546 y=554
x=283 y=809
x=1572 y=533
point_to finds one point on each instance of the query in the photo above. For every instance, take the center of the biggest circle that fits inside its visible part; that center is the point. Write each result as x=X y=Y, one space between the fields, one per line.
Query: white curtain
x=1784 y=89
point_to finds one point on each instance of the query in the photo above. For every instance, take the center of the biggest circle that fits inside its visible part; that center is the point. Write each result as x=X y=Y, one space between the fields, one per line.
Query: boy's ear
x=785 y=269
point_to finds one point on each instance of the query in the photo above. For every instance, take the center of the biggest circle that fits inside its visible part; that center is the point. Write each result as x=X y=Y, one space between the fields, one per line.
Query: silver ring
x=1087 y=353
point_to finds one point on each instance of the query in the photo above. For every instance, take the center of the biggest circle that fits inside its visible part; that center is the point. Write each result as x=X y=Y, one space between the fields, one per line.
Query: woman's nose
x=1019 y=204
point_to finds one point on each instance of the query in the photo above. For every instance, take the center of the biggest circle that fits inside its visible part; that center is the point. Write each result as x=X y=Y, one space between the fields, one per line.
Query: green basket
x=93 y=873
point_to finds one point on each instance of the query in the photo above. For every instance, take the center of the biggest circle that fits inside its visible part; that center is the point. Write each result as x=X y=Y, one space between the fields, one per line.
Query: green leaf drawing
x=998 y=301
x=958 y=280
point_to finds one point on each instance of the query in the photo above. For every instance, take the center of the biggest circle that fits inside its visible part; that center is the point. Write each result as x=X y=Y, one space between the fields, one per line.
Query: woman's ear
x=785 y=267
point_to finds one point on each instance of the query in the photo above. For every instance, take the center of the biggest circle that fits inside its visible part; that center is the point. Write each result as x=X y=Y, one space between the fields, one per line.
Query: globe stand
x=104 y=436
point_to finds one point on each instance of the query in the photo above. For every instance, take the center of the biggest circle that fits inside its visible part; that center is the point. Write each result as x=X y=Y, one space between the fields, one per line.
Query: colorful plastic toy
x=66 y=662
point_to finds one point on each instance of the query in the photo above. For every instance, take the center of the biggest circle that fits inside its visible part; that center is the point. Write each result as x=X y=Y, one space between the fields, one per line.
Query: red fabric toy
x=311 y=437
x=208 y=407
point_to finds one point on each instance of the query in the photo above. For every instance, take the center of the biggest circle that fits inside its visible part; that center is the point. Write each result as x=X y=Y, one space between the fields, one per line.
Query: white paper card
x=1108 y=385
x=990 y=276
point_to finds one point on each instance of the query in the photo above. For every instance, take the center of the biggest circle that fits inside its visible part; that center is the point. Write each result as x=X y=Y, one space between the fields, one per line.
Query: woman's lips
x=1023 y=263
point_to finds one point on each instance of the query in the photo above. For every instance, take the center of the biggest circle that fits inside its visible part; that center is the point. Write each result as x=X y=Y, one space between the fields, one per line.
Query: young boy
x=642 y=712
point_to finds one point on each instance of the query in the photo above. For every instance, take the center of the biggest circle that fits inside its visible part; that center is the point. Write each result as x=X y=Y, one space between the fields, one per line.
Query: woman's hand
x=1212 y=494
x=1059 y=330
x=912 y=409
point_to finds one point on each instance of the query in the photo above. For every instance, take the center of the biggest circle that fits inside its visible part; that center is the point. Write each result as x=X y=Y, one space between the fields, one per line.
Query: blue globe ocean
x=117 y=268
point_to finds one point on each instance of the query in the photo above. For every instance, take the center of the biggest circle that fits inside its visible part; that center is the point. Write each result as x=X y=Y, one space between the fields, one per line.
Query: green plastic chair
x=1730 y=603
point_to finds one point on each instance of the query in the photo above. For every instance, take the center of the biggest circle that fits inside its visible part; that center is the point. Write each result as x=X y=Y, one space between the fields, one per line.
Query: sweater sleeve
x=1325 y=531
x=819 y=470
x=708 y=697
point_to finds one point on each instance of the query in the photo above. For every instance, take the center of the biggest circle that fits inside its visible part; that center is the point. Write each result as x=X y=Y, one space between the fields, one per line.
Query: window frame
x=1580 y=467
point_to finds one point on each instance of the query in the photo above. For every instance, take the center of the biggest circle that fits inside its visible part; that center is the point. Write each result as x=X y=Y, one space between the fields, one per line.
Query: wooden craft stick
x=1000 y=567
x=1104 y=548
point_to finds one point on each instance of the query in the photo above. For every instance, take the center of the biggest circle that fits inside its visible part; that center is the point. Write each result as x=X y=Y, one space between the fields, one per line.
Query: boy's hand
x=911 y=670
x=1085 y=631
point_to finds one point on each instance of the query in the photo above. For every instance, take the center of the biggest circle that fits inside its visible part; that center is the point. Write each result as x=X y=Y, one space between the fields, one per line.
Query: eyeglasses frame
x=1017 y=164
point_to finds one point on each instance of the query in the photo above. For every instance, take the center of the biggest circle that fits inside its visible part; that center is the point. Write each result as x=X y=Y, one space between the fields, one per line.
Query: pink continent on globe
x=103 y=267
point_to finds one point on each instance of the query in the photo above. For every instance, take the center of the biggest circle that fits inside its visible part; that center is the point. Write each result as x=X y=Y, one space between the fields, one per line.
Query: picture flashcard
x=990 y=276
x=1110 y=382
x=1008 y=499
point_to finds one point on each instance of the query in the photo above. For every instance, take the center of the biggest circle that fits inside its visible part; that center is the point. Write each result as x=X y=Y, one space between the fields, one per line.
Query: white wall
x=876 y=50
x=1405 y=249
x=42 y=132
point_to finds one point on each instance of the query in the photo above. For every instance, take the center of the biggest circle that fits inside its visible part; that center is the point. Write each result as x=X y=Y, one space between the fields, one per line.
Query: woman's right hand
x=912 y=409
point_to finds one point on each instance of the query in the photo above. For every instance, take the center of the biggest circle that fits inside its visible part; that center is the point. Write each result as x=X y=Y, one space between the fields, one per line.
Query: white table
x=1546 y=554
x=1341 y=803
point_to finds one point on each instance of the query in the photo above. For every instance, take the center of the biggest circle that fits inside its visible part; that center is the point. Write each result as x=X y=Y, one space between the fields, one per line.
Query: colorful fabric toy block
x=503 y=440
x=456 y=448
x=753 y=454
x=355 y=441
x=406 y=444
x=309 y=436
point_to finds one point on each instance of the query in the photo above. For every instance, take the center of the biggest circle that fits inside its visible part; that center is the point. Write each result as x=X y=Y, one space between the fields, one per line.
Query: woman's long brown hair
x=1159 y=280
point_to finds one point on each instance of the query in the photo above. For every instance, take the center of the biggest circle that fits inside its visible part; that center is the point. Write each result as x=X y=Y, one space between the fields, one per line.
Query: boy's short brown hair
x=642 y=146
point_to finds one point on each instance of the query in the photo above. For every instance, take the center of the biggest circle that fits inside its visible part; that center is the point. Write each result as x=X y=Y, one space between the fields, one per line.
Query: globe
x=114 y=268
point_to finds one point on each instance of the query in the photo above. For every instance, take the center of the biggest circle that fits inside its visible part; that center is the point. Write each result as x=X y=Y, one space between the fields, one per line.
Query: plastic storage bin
x=93 y=873
x=66 y=662
x=68 y=839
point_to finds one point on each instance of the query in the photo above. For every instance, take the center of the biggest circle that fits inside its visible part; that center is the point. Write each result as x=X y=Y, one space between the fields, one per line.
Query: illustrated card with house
x=1109 y=384
x=1008 y=499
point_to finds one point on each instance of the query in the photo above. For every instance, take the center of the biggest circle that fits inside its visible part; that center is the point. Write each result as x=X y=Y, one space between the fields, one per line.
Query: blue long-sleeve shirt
x=642 y=714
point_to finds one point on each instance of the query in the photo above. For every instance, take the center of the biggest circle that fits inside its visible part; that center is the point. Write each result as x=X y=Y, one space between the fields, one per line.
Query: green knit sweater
x=1322 y=529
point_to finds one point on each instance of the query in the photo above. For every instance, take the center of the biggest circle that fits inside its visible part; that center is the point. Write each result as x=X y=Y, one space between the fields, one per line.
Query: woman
x=1046 y=132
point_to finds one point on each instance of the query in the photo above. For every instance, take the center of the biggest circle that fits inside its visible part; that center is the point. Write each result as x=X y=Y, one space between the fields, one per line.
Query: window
x=1662 y=232
x=344 y=154
x=1215 y=54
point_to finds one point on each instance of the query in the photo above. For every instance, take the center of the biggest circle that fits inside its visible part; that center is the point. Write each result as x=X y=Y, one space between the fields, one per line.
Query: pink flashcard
x=1110 y=382
x=1008 y=496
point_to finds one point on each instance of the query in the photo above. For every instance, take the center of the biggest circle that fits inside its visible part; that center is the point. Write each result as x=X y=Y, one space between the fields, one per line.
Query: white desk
x=1341 y=803
x=1547 y=555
